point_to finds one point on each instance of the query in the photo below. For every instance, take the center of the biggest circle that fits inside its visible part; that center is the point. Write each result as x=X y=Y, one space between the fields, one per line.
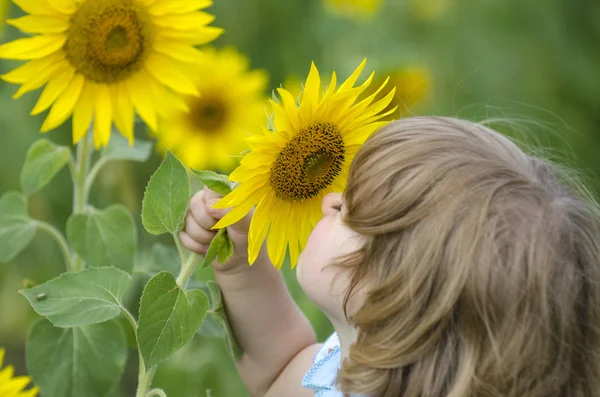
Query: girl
x=453 y=265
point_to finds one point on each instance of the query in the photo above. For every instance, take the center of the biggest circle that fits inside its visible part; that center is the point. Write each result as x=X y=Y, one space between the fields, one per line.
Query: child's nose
x=329 y=201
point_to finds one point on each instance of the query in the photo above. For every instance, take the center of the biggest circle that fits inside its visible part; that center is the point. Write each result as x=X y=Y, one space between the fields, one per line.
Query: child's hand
x=198 y=234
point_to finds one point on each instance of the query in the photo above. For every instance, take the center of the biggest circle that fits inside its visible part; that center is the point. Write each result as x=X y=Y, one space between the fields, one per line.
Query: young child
x=454 y=265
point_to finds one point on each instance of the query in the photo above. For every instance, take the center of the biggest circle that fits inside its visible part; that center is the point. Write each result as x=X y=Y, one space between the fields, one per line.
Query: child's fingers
x=211 y=196
x=196 y=231
x=199 y=213
x=192 y=244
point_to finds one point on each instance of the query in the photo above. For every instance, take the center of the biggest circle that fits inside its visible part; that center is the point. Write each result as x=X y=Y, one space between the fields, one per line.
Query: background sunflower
x=11 y=386
x=211 y=133
x=360 y=9
x=101 y=59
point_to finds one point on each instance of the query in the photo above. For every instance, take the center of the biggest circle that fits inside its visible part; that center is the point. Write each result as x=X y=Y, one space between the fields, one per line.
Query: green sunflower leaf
x=104 y=238
x=43 y=161
x=220 y=247
x=166 y=197
x=218 y=314
x=215 y=182
x=118 y=149
x=169 y=317
x=74 y=362
x=16 y=228
x=75 y=299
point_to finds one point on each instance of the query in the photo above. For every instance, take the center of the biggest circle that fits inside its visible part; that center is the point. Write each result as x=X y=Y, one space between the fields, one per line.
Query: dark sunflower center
x=108 y=40
x=207 y=114
x=309 y=163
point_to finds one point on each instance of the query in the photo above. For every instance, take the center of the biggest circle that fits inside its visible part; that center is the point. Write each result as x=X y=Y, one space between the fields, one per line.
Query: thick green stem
x=179 y=249
x=156 y=392
x=186 y=270
x=144 y=381
x=80 y=193
x=62 y=242
x=144 y=378
x=93 y=174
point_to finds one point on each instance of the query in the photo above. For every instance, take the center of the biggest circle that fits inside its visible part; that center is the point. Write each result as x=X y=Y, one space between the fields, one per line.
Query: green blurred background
x=533 y=67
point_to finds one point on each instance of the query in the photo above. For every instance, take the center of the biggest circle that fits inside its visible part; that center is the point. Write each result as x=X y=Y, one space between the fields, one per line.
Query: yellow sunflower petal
x=293 y=242
x=373 y=111
x=276 y=240
x=33 y=47
x=41 y=78
x=310 y=97
x=349 y=83
x=102 y=115
x=40 y=23
x=280 y=117
x=164 y=7
x=67 y=7
x=63 y=107
x=140 y=97
x=35 y=7
x=185 y=21
x=30 y=393
x=82 y=114
x=31 y=69
x=259 y=226
x=180 y=52
x=166 y=71
x=202 y=35
x=289 y=104
x=234 y=215
x=54 y=88
x=123 y=113
x=332 y=85
x=250 y=191
x=17 y=384
x=256 y=160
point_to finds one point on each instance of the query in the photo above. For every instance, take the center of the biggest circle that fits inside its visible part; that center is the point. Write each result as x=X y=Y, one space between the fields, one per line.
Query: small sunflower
x=13 y=387
x=289 y=170
x=412 y=90
x=101 y=59
x=212 y=132
x=363 y=9
x=430 y=10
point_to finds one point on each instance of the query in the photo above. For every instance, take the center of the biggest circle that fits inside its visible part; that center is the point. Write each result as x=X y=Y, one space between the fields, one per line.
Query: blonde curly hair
x=482 y=268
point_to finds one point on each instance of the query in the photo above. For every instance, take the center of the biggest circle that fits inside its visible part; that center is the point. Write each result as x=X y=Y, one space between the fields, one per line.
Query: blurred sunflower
x=412 y=90
x=211 y=134
x=363 y=9
x=429 y=9
x=289 y=170
x=13 y=387
x=105 y=58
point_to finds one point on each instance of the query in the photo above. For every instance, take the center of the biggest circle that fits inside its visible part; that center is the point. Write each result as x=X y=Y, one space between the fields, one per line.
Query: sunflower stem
x=186 y=270
x=60 y=239
x=80 y=193
x=180 y=249
x=145 y=379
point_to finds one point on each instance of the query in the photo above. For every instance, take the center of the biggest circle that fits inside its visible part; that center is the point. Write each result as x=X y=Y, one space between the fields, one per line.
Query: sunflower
x=211 y=134
x=13 y=387
x=101 y=59
x=429 y=10
x=363 y=9
x=412 y=90
x=289 y=170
